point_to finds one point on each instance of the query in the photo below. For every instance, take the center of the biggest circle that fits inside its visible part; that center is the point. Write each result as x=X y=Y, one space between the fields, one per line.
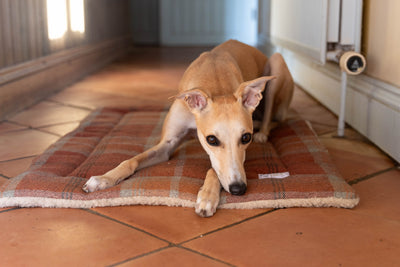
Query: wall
x=23 y=31
x=373 y=98
x=193 y=22
x=24 y=35
x=144 y=18
x=32 y=66
x=381 y=42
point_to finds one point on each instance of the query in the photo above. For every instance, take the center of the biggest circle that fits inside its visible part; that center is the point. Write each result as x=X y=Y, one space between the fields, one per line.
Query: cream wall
x=381 y=39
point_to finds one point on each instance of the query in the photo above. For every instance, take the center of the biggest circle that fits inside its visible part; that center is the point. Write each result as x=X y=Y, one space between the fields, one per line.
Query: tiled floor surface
x=368 y=235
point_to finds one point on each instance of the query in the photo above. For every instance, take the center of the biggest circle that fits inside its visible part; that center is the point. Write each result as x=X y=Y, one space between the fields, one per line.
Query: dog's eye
x=246 y=138
x=212 y=140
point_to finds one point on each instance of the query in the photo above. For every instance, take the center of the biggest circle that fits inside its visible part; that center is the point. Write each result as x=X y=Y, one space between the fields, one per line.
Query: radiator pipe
x=351 y=63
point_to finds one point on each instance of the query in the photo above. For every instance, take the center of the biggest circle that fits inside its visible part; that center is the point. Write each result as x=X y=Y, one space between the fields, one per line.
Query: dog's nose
x=237 y=189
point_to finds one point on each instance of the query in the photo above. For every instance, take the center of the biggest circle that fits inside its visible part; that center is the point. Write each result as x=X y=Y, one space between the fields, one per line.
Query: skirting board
x=372 y=106
x=25 y=84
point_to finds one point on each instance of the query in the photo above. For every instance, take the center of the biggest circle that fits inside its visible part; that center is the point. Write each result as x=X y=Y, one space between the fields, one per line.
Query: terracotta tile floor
x=368 y=235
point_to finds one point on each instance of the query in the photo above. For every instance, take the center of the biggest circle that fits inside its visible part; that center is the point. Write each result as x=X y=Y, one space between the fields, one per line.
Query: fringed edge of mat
x=28 y=202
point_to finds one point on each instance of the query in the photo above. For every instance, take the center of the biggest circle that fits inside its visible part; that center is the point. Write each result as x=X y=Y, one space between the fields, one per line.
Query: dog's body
x=217 y=96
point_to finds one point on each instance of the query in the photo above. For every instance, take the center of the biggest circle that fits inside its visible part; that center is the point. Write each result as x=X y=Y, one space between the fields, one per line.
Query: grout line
x=69 y=105
x=10 y=209
x=30 y=127
x=58 y=124
x=207 y=256
x=228 y=226
x=41 y=128
x=14 y=123
x=25 y=127
x=26 y=157
x=4 y=176
x=141 y=255
x=19 y=124
x=178 y=245
x=322 y=124
x=128 y=225
x=167 y=247
x=47 y=132
x=369 y=176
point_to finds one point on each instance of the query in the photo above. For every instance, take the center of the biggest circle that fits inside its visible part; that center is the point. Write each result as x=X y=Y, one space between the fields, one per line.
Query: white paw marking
x=260 y=137
x=206 y=207
x=96 y=183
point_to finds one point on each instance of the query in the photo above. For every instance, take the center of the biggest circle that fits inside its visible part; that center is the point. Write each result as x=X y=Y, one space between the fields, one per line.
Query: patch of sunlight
x=57 y=22
x=57 y=17
x=77 y=15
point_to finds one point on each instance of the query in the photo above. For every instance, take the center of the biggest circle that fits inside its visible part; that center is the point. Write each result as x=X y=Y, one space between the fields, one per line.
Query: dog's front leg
x=155 y=155
x=176 y=125
x=208 y=196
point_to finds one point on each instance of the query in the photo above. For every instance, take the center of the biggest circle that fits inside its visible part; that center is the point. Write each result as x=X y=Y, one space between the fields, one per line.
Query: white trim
x=19 y=71
x=24 y=84
x=317 y=54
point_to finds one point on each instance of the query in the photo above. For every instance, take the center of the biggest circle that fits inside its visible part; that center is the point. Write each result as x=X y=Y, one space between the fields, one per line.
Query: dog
x=218 y=95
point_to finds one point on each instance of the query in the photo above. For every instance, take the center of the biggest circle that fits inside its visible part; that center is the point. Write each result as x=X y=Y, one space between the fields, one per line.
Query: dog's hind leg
x=262 y=135
x=277 y=96
x=176 y=126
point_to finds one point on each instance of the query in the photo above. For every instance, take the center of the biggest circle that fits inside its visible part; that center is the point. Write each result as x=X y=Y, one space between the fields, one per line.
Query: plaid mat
x=108 y=136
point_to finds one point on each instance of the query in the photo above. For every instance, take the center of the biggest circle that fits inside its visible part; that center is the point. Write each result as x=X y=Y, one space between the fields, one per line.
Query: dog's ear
x=250 y=92
x=196 y=99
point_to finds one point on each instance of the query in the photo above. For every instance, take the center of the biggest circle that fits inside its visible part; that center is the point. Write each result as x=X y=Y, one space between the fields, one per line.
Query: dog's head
x=225 y=129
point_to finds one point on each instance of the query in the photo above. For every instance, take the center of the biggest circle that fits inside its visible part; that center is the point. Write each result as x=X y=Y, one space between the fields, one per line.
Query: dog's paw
x=207 y=202
x=260 y=137
x=96 y=183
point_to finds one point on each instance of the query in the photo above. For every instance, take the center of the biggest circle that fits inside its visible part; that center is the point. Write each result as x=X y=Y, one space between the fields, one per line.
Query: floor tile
x=68 y=237
x=147 y=78
x=306 y=237
x=175 y=224
x=322 y=120
x=131 y=78
x=321 y=129
x=94 y=99
x=355 y=159
x=61 y=129
x=48 y=113
x=85 y=98
x=379 y=196
x=173 y=257
x=14 y=167
x=8 y=127
x=24 y=143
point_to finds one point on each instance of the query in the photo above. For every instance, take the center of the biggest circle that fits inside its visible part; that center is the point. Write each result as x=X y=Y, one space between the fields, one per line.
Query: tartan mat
x=108 y=136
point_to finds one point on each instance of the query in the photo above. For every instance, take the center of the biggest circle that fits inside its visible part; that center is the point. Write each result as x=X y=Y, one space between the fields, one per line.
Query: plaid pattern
x=109 y=136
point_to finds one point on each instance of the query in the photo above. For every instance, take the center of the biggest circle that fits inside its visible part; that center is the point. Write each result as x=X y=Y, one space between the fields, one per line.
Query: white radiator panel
x=307 y=26
x=300 y=26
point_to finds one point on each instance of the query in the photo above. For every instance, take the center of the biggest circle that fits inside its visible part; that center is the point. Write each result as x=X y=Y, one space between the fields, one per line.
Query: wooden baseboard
x=24 y=84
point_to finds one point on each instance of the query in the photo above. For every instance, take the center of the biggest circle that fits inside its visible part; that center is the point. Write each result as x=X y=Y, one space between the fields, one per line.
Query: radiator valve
x=352 y=63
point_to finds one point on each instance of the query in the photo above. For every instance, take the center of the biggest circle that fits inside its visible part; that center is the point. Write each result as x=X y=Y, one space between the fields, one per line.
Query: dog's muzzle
x=237 y=189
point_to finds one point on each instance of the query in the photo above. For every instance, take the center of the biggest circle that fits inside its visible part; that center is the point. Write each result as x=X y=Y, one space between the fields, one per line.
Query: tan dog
x=217 y=96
